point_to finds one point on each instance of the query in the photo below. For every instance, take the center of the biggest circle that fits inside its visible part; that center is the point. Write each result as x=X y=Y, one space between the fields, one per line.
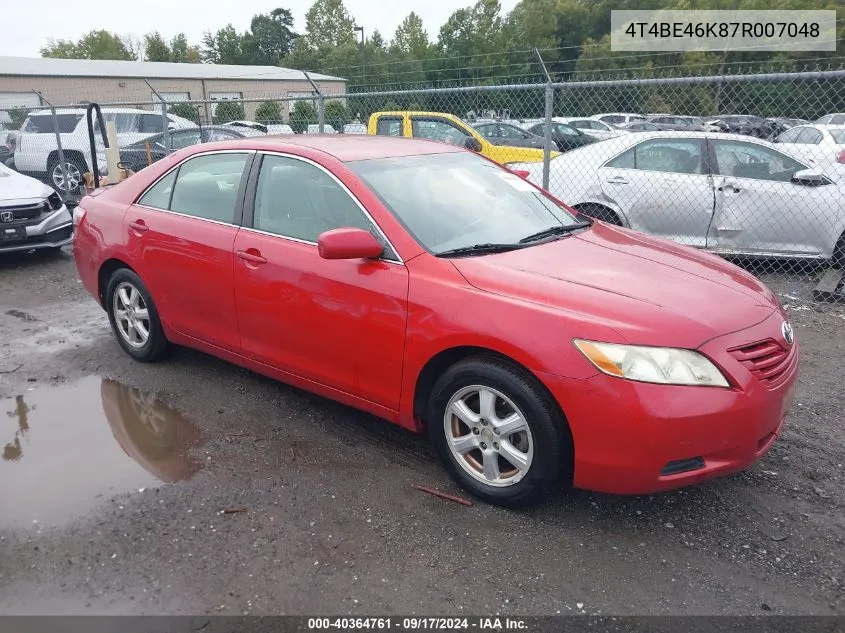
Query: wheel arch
x=585 y=207
x=69 y=153
x=107 y=269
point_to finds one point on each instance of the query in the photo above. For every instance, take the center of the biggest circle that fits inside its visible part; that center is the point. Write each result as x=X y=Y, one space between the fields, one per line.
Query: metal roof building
x=74 y=81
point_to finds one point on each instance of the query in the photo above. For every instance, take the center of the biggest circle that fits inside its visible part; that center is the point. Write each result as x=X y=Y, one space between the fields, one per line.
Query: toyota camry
x=429 y=286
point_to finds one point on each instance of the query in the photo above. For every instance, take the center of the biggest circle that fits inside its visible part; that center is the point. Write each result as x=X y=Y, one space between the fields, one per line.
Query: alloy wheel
x=131 y=315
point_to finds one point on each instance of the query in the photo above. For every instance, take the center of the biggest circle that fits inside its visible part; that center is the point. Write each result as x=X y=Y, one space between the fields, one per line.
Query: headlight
x=54 y=201
x=663 y=365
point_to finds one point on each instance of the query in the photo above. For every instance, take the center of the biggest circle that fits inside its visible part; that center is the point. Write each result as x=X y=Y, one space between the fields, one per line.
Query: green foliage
x=185 y=110
x=18 y=115
x=229 y=111
x=302 y=114
x=97 y=44
x=335 y=114
x=268 y=112
x=156 y=49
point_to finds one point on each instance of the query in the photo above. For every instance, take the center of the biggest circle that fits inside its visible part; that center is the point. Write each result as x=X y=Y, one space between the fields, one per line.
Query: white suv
x=37 y=152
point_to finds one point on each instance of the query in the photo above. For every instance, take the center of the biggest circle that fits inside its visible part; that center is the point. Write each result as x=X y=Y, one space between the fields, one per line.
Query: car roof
x=343 y=148
x=103 y=109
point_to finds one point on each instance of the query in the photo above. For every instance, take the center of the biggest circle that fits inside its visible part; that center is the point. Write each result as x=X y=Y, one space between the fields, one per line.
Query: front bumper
x=640 y=438
x=53 y=231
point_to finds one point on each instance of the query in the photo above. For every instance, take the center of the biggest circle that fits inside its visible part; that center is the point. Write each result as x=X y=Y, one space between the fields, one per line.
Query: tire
x=600 y=212
x=147 y=349
x=544 y=446
x=839 y=253
x=75 y=166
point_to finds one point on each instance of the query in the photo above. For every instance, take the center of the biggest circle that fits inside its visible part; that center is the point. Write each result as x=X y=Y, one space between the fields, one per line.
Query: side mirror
x=810 y=178
x=348 y=243
x=473 y=144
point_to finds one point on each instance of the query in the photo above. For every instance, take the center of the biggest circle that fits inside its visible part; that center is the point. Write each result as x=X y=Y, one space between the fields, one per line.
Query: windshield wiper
x=477 y=249
x=554 y=230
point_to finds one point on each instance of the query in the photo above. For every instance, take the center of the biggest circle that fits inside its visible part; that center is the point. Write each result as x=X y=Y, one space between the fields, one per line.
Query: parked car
x=674 y=122
x=354 y=128
x=593 y=127
x=746 y=125
x=134 y=156
x=788 y=122
x=565 y=136
x=821 y=145
x=724 y=193
x=279 y=128
x=251 y=125
x=616 y=118
x=37 y=153
x=831 y=119
x=640 y=126
x=505 y=134
x=32 y=215
x=447 y=128
x=314 y=128
x=427 y=285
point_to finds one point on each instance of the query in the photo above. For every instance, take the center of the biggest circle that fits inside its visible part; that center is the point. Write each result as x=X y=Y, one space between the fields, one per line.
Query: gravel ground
x=323 y=515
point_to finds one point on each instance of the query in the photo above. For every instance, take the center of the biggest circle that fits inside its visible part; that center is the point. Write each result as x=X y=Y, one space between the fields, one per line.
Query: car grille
x=767 y=360
x=24 y=212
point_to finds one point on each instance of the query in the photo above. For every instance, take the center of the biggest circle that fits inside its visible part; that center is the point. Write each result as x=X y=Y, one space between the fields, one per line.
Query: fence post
x=164 y=120
x=547 y=127
x=321 y=104
x=66 y=189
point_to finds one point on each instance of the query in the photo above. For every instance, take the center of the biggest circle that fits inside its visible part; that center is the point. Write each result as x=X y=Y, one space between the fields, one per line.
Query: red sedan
x=429 y=286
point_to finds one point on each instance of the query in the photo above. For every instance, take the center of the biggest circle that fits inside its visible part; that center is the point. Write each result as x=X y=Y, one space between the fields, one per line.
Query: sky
x=35 y=21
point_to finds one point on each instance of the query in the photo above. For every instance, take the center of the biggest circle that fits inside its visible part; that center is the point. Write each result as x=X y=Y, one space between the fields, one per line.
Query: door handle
x=139 y=225
x=617 y=180
x=253 y=256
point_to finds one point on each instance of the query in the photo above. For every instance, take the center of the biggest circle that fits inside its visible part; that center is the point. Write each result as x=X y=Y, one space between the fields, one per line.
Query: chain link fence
x=727 y=163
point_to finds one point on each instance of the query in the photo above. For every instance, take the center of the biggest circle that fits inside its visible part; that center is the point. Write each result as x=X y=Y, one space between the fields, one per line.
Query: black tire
x=551 y=464
x=600 y=212
x=839 y=253
x=156 y=346
x=73 y=161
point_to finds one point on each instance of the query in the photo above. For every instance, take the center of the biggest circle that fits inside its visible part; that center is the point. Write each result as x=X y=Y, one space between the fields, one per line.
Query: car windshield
x=459 y=200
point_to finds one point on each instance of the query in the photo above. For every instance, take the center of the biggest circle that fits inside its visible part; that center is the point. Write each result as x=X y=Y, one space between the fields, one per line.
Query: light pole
x=363 y=52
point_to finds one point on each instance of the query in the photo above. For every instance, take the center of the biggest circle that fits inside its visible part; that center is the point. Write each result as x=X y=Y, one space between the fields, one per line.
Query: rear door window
x=389 y=126
x=45 y=124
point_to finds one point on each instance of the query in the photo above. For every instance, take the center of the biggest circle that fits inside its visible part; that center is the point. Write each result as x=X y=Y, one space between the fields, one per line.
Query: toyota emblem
x=788 y=334
x=7 y=216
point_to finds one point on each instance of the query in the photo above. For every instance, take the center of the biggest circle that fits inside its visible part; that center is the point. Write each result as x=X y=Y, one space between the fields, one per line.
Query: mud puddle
x=65 y=450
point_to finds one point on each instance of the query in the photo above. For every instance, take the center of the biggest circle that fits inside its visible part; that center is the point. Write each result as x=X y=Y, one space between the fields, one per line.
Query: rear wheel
x=75 y=168
x=499 y=433
x=600 y=212
x=839 y=253
x=134 y=318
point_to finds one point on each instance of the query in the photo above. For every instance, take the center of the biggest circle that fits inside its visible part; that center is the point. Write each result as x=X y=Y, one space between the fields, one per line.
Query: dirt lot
x=322 y=514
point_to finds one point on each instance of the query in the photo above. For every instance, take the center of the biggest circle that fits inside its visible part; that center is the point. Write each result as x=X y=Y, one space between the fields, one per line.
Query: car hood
x=646 y=290
x=16 y=188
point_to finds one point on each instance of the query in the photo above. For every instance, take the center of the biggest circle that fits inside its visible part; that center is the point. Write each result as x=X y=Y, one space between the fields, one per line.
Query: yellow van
x=440 y=126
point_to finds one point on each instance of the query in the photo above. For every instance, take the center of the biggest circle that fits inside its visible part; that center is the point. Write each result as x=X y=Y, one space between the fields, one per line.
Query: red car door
x=181 y=235
x=340 y=323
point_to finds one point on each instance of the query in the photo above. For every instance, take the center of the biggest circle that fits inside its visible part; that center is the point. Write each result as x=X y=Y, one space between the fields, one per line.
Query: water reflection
x=13 y=451
x=75 y=446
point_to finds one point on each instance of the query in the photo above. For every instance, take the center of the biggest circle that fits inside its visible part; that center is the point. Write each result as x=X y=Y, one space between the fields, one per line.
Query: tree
x=271 y=37
x=335 y=114
x=93 y=45
x=229 y=111
x=156 y=49
x=411 y=38
x=303 y=113
x=185 y=110
x=226 y=46
x=474 y=39
x=268 y=112
x=328 y=25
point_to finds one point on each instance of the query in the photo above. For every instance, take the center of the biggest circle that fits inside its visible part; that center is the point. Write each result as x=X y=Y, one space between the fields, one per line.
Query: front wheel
x=498 y=432
x=134 y=318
